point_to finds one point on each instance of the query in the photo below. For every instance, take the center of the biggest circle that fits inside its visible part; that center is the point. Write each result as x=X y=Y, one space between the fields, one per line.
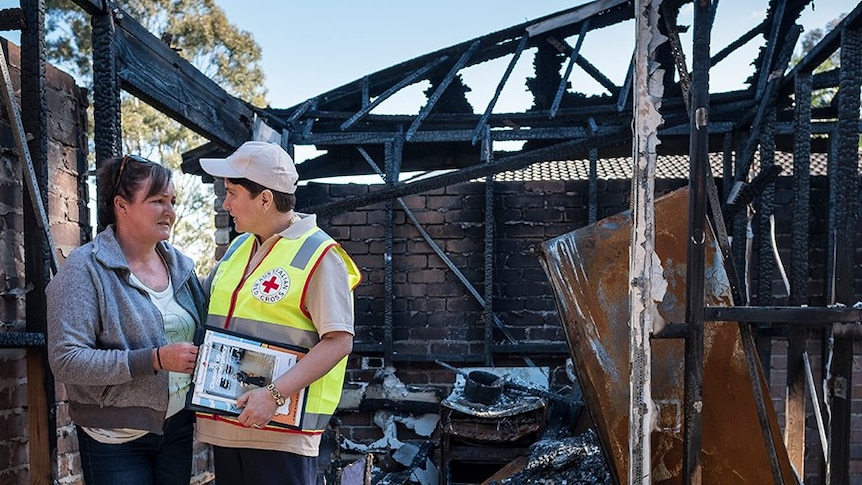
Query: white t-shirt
x=179 y=327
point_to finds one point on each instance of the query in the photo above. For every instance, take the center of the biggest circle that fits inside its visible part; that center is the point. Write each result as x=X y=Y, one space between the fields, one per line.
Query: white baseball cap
x=259 y=161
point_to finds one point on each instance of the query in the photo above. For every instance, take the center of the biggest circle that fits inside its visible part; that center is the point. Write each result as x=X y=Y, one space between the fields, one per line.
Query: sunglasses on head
x=122 y=169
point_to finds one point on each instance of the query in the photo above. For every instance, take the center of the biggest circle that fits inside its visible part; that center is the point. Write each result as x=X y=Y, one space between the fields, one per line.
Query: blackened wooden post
x=829 y=289
x=388 y=282
x=763 y=224
x=849 y=84
x=699 y=153
x=764 y=293
x=488 y=285
x=794 y=409
x=106 y=91
x=37 y=248
x=393 y=153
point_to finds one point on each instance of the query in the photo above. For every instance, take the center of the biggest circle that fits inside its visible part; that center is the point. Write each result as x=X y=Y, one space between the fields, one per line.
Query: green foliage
x=199 y=31
x=820 y=97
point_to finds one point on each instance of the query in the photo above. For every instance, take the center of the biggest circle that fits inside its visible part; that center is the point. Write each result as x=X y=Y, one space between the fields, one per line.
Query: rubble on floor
x=572 y=460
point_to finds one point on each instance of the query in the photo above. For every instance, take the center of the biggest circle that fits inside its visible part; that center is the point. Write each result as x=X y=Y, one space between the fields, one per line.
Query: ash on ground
x=574 y=460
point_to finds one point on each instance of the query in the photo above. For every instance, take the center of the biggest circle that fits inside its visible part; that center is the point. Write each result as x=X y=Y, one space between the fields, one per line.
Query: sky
x=309 y=48
x=312 y=47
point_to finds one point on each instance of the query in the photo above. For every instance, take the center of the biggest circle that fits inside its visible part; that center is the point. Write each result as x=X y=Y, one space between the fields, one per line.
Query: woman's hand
x=258 y=408
x=178 y=357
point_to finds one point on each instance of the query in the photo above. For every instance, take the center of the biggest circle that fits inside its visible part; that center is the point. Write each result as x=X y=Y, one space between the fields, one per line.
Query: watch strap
x=276 y=394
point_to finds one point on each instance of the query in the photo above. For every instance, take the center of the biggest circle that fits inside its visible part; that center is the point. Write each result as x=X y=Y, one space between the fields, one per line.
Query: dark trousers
x=244 y=466
x=149 y=460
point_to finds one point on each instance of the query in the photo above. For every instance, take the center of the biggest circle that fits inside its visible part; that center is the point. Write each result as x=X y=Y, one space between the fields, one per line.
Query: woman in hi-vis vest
x=286 y=281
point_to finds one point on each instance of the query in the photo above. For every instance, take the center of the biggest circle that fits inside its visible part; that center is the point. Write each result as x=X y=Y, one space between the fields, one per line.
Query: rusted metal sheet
x=589 y=270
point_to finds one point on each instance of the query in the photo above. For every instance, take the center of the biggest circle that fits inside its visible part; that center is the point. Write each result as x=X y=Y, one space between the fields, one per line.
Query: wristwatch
x=279 y=399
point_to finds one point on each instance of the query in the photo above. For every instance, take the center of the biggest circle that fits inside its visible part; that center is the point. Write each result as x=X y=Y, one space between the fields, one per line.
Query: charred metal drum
x=483 y=387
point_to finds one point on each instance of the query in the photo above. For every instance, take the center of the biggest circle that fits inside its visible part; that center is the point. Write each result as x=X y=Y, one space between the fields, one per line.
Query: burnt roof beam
x=623 y=97
x=596 y=74
x=12 y=19
x=767 y=101
x=480 y=127
x=575 y=56
x=534 y=118
x=766 y=65
x=571 y=17
x=669 y=16
x=310 y=103
x=443 y=136
x=571 y=148
x=572 y=54
x=432 y=100
x=375 y=84
x=406 y=81
x=741 y=41
x=155 y=73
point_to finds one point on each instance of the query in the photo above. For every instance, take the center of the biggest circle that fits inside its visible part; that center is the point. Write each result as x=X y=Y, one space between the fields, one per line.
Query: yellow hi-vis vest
x=267 y=305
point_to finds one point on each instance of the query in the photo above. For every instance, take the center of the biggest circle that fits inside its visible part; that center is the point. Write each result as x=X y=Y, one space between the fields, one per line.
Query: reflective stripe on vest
x=267 y=305
x=272 y=332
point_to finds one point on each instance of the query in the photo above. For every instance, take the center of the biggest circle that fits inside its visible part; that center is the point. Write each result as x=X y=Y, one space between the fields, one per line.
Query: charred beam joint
x=12 y=19
x=19 y=340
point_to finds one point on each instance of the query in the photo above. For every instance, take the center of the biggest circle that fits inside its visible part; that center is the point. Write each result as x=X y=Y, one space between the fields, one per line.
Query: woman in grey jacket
x=122 y=312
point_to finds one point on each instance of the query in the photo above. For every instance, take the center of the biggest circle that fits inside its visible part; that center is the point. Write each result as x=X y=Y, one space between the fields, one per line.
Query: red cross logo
x=270 y=285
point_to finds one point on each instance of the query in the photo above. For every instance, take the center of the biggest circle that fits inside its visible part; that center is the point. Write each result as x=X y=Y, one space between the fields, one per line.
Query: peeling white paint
x=648 y=285
x=658 y=289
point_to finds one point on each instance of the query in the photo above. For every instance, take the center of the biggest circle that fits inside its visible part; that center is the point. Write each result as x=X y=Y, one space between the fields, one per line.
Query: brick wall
x=813 y=448
x=67 y=151
x=434 y=316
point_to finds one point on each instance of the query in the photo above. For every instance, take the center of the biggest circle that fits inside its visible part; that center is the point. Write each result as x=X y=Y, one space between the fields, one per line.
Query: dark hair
x=284 y=202
x=126 y=176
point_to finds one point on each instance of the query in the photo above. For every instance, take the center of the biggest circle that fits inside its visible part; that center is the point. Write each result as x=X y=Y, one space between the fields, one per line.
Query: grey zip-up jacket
x=102 y=331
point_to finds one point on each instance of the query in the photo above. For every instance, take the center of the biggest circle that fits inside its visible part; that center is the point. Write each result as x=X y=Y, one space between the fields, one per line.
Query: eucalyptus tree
x=200 y=32
x=821 y=97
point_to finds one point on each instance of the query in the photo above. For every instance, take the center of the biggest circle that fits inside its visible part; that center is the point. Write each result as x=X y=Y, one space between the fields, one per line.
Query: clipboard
x=230 y=364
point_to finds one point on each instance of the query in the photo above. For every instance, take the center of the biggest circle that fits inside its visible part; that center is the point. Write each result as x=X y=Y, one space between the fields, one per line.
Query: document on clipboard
x=230 y=364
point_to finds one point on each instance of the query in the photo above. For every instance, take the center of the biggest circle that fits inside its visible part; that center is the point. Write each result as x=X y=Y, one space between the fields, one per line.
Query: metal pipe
x=699 y=148
x=824 y=443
